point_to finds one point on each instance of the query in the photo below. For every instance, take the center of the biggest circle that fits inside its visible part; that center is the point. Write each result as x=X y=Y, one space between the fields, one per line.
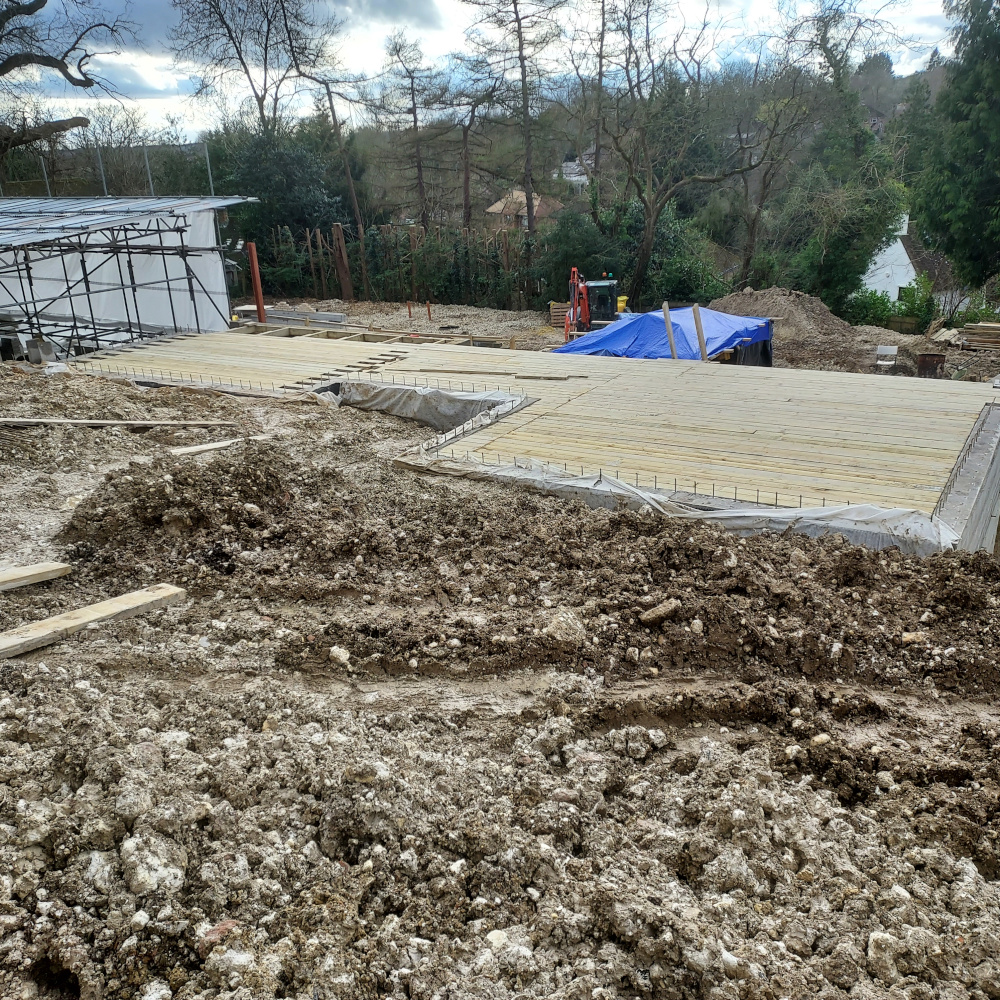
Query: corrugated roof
x=27 y=221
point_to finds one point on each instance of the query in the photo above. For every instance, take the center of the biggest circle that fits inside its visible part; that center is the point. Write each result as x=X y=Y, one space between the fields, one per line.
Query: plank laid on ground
x=50 y=630
x=197 y=449
x=38 y=421
x=21 y=576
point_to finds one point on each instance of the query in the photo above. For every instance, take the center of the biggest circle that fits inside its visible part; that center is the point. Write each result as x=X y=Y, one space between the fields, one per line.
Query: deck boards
x=828 y=437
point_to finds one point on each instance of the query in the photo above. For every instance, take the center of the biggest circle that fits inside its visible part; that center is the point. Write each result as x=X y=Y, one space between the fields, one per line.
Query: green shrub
x=979 y=310
x=869 y=308
x=917 y=299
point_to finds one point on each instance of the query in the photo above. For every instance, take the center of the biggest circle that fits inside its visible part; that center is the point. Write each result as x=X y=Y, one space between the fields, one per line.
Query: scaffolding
x=81 y=274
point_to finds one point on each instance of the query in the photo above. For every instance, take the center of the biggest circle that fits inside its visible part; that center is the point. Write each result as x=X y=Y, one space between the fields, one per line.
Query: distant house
x=574 y=172
x=876 y=119
x=513 y=208
x=899 y=264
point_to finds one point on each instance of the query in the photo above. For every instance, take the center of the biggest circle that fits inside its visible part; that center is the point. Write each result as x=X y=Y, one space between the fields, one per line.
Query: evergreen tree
x=957 y=195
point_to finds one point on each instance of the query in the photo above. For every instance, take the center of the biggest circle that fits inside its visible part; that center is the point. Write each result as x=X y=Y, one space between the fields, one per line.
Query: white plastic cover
x=205 y=308
x=912 y=531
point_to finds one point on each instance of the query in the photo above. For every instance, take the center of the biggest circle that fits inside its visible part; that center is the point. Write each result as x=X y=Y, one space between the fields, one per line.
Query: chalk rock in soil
x=153 y=863
x=882 y=951
x=565 y=626
x=661 y=612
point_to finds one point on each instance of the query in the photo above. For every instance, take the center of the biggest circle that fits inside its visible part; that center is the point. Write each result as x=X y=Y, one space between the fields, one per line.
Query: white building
x=901 y=261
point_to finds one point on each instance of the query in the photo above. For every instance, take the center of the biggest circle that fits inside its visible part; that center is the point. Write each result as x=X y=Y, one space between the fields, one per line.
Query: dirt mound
x=523 y=325
x=706 y=768
x=54 y=448
x=797 y=314
x=808 y=335
x=422 y=580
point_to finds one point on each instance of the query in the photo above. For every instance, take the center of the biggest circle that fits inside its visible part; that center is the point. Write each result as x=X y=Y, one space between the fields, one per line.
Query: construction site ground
x=806 y=333
x=410 y=737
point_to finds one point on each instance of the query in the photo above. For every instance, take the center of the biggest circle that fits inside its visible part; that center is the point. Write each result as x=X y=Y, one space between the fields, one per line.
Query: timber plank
x=49 y=630
x=199 y=449
x=21 y=576
x=62 y=421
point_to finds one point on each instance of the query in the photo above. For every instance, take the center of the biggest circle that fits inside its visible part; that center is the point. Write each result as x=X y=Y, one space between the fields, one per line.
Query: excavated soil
x=808 y=335
x=428 y=739
x=529 y=330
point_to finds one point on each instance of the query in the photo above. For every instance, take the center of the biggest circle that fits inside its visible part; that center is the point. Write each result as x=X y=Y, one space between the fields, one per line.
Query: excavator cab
x=603 y=298
x=592 y=304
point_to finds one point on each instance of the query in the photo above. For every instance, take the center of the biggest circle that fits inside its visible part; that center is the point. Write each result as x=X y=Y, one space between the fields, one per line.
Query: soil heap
x=411 y=738
x=808 y=335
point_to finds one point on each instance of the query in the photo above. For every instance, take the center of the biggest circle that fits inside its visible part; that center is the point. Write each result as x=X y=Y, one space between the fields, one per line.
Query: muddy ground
x=417 y=738
x=529 y=329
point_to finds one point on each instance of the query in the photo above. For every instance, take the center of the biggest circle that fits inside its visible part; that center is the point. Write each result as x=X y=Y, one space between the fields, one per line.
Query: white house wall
x=890 y=271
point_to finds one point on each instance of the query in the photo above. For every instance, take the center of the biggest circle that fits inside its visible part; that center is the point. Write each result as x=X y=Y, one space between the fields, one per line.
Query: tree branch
x=11 y=138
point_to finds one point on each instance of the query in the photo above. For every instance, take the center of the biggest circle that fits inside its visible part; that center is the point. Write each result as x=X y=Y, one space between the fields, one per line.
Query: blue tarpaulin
x=644 y=335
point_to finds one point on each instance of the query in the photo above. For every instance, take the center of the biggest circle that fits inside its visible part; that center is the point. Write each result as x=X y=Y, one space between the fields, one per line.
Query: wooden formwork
x=783 y=436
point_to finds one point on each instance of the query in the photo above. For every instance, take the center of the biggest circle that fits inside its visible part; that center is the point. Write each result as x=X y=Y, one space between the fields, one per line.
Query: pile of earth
x=415 y=576
x=525 y=326
x=248 y=838
x=622 y=757
x=55 y=448
x=808 y=335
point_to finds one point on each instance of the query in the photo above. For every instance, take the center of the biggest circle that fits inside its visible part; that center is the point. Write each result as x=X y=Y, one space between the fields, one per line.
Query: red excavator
x=592 y=304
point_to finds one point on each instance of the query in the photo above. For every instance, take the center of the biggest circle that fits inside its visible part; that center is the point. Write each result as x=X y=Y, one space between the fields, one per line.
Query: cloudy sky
x=150 y=76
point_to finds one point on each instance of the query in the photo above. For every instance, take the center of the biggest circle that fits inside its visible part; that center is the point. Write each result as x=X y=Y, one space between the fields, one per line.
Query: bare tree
x=775 y=111
x=309 y=35
x=475 y=91
x=411 y=91
x=587 y=51
x=63 y=37
x=668 y=118
x=243 y=42
x=831 y=34
x=525 y=29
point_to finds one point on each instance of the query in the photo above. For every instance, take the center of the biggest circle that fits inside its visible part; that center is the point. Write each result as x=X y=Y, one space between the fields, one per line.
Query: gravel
x=415 y=738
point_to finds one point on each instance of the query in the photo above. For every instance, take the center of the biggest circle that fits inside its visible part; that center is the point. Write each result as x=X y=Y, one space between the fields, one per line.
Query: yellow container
x=622 y=303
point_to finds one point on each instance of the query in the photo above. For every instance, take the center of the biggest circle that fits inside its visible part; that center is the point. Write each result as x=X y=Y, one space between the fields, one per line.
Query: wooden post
x=342 y=263
x=670 y=330
x=312 y=263
x=413 y=262
x=701 y=333
x=428 y=308
x=409 y=308
x=258 y=291
x=322 y=262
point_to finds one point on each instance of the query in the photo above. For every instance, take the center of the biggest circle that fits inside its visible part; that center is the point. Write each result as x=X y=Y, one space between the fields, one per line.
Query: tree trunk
x=642 y=259
x=466 y=175
x=352 y=193
x=425 y=220
x=600 y=92
x=522 y=59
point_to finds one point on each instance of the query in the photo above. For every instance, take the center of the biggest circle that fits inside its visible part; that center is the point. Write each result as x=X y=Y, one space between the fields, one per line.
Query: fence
x=404 y=263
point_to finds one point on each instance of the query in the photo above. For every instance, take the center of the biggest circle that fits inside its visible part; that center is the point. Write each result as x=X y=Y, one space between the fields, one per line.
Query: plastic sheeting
x=457 y=414
x=201 y=305
x=442 y=409
x=644 y=335
x=912 y=531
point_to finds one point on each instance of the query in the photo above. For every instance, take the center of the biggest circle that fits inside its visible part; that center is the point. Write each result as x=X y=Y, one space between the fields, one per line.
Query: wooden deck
x=745 y=433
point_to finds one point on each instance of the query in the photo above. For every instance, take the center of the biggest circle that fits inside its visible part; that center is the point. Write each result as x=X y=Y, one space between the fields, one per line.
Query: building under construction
x=81 y=274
